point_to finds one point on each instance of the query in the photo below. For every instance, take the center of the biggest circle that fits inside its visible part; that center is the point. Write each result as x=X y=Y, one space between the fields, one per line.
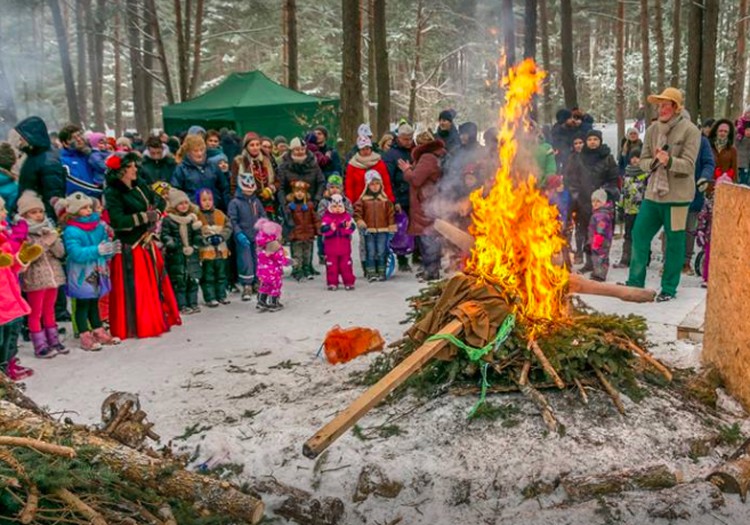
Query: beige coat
x=47 y=271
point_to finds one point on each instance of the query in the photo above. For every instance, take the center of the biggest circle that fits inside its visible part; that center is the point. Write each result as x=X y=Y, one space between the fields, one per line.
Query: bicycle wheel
x=698 y=263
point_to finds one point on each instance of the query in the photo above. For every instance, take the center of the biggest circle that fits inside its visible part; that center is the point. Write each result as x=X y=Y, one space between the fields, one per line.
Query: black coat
x=179 y=265
x=307 y=171
x=127 y=208
x=398 y=183
x=589 y=171
x=42 y=171
x=157 y=170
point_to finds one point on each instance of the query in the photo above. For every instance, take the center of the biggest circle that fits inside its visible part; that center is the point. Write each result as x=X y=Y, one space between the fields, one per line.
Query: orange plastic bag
x=342 y=345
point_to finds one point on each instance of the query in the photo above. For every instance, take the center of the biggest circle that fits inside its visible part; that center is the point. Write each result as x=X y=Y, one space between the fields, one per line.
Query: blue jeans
x=376 y=250
x=744 y=176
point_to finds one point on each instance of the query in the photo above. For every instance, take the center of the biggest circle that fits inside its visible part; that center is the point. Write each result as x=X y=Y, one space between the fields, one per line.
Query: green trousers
x=651 y=217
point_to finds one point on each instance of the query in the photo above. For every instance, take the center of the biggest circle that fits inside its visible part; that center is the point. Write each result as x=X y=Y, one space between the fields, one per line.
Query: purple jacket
x=337 y=236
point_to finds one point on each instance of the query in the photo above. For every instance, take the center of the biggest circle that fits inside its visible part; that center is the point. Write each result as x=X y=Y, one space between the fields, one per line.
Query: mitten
x=266 y=194
x=597 y=241
x=29 y=253
x=152 y=216
x=215 y=240
x=196 y=224
x=361 y=224
x=272 y=247
x=242 y=240
x=106 y=248
x=6 y=260
x=188 y=250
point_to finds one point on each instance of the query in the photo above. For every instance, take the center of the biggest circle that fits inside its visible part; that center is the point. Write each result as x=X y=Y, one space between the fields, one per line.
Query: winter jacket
x=97 y=160
x=47 y=271
x=80 y=176
x=191 y=177
x=375 y=213
x=325 y=201
x=12 y=304
x=337 y=236
x=8 y=188
x=544 y=156
x=398 y=182
x=181 y=237
x=354 y=181
x=127 y=208
x=589 y=171
x=214 y=223
x=633 y=189
x=263 y=173
x=244 y=211
x=423 y=179
x=450 y=138
x=157 y=170
x=42 y=170
x=602 y=227
x=743 y=153
x=307 y=171
x=306 y=221
x=684 y=141
x=88 y=272
x=742 y=123
x=332 y=161
x=704 y=169
x=726 y=161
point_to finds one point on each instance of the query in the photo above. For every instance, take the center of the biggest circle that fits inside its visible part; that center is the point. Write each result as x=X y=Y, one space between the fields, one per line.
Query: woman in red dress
x=142 y=303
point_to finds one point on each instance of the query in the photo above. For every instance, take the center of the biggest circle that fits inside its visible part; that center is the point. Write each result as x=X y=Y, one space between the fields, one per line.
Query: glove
x=106 y=248
x=266 y=194
x=242 y=240
x=152 y=216
x=118 y=246
x=215 y=240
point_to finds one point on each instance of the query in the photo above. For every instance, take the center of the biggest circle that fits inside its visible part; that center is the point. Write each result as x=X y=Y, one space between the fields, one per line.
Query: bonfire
x=508 y=322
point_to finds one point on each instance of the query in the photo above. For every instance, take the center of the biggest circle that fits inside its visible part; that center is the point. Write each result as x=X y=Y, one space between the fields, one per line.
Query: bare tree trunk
x=380 y=43
x=182 y=52
x=82 y=7
x=351 y=78
x=661 y=59
x=694 y=60
x=156 y=31
x=529 y=37
x=290 y=23
x=708 y=60
x=417 y=61
x=736 y=86
x=95 y=67
x=372 y=107
x=118 y=70
x=543 y=22
x=74 y=114
x=508 y=22
x=646 y=57
x=619 y=70
x=676 y=43
x=136 y=66
x=148 y=66
x=568 y=67
x=8 y=114
x=195 y=75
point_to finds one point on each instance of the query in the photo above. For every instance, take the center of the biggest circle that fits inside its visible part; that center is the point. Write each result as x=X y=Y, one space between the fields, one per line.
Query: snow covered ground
x=249 y=390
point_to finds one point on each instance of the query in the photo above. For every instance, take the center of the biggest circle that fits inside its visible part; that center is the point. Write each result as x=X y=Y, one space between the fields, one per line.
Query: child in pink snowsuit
x=337 y=230
x=271 y=262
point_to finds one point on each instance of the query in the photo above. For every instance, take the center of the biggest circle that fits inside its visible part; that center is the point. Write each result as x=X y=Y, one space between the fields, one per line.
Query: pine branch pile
x=52 y=472
x=587 y=349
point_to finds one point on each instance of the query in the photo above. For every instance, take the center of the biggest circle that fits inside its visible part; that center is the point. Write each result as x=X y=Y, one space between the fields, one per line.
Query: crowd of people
x=129 y=233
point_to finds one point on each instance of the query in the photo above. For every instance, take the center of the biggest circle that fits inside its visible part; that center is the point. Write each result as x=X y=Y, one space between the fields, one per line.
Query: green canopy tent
x=253 y=102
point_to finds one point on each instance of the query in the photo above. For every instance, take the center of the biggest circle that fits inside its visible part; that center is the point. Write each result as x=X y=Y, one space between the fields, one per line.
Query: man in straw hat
x=669 y=151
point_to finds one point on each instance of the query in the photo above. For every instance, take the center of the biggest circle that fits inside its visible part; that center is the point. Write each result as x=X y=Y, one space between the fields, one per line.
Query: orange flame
x=516 y=229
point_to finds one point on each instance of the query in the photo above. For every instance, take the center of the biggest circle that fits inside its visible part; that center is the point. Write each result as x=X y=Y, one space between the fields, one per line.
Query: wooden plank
x=375 y=394
x=726 y=343
x=692 y=326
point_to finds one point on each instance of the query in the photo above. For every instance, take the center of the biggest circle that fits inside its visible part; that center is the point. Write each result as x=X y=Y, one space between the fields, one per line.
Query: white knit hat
x=372 y=175
x=599 y=195
x=28 y=201
x=295 y=143
x=364 y=130
x=177 y=197
x=363 y=141
x=75 y=201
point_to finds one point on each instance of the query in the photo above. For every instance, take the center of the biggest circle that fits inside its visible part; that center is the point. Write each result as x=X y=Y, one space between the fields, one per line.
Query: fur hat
x=246 y=182
x=599 y=195
x=335 y=180
x=75 y=201
x=364 y=130
x=176 y=197
x=268 y=227
x=28 y=201
x=7 y=156
x=371 y=175
x=337 y=203
x=363 y=141
x=296 y=143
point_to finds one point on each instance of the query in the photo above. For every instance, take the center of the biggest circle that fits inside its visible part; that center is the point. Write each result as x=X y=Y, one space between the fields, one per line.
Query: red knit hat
x=250 y=135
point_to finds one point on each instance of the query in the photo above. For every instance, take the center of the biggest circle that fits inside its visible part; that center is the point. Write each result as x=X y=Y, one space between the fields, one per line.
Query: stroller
x=703 y=234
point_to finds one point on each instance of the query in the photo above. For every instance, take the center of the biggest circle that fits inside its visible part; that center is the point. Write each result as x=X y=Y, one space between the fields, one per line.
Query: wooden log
x=663 y=370
x=300 y=506
x=546 y=365
x=378 y=392
x=583 y=488
x=206 y=494
x=75 y=503
x=576 y=283
x=611 y=391
x=733 y=477
x=36 y=444
x=548 y=415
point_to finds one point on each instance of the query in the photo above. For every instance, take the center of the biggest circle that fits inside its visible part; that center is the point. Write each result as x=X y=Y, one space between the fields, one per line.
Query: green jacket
x=544 y=156
x=157 y=170
x=181 y=248
x=684 y=142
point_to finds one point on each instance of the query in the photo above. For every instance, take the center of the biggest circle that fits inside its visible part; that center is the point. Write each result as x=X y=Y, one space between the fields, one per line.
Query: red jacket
x=354 y=182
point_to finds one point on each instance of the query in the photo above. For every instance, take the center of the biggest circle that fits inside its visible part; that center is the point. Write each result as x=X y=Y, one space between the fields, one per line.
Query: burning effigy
x=508 y=322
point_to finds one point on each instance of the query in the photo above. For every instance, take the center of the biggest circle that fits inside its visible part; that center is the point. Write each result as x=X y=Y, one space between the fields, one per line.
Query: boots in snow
x=262 y=302
x=89 y=343
x=53 y=340
x=42 y=349
x=274 y=304
x=589 y=266
x=381 y=274
x=103 y=337
x=247 y=292
x=16 y=372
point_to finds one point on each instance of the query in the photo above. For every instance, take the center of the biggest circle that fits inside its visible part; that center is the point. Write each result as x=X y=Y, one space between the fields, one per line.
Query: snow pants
x=627 y=245
x=214 y=279
x=651 y=218
x=185 y=290
x=302 y=253
x=600 y=260
x=339 y=266
x=430 y=251
x=247 y=263
x=8 y=342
